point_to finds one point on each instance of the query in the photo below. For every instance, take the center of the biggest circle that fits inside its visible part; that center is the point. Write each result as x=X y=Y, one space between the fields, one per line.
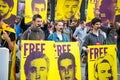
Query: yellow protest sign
x=37 y=60
x=102 y=62
x=90 y=12
x=118 y=8
x=67 y=59
x=8 y=10
x=35 y=7
x=14 y=10
x=67 y=9
x=47 y=60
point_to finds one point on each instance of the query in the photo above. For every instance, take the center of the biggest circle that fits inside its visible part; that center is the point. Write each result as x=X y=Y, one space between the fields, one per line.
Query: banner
x=67 y=9
x=118 y=8
x=37 y=60
x=90 y=11
x=35 y=7
x=8 y=10
x=62 y=60
x=14 y=10
x=99 y=8
x=67 y=58
x=102 y=64
x=118 y=11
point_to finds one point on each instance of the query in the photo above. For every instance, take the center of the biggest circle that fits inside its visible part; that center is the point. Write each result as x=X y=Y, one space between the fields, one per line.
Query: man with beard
x=93 y=38
x=6 y=7
x=34 y=32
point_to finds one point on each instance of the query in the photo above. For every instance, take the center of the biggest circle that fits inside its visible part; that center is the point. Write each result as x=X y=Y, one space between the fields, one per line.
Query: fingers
x=5 y=35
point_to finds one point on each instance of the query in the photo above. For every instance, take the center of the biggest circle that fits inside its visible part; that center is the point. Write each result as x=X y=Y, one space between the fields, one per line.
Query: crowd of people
x=13 y=29
x=60 y=31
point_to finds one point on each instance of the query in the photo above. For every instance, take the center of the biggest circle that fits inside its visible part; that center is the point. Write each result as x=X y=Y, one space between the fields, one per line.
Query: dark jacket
x=118 y=39
x=92 y=39
x=111 y=35
x=23 y=25
x=55 y=38
x=33 y=33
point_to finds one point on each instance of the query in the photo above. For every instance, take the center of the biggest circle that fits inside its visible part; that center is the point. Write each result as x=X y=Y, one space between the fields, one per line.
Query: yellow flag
x=35 y=7
x=67 y=9
x=118 y=8
x=93 y=9
x=90 y=11
x=14 y=10
x=6 y=27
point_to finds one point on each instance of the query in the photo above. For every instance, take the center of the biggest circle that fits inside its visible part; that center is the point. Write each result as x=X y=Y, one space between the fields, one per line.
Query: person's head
x=65 y=24
x=66 y=66
x=6 y=7
x=59 y=26
x=70 y=8
x=36 y=66
x=103 y=68
x=38 y=6
x=96 y=23
x=37 y=20
x=82 y=24
x=18 y=19
x=117 y=25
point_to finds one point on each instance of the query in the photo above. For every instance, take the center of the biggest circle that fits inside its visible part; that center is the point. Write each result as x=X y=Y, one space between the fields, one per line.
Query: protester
x=58 y=36
x=34 y=32
x=93 y=38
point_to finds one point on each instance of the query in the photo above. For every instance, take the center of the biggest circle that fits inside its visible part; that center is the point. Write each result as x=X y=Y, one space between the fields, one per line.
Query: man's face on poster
x=67 y=69
x=4 y=8
x=104 y=71
x=38 y=69
x=69 y=8
x=38 y=8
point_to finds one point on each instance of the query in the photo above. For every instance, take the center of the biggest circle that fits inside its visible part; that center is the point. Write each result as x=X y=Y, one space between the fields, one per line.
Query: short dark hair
x=81 y=22
x=36 y=16
x=34 y=55
x=66 y=56
x=95 y=20
x=56 y=23
x=9 y=2
x=38 y=1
